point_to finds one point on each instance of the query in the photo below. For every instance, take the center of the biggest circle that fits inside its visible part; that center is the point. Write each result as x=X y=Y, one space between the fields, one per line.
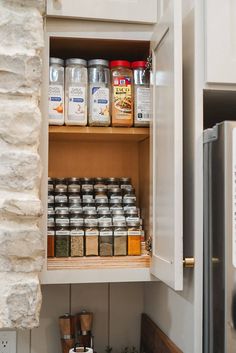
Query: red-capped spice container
x=142 y=94
x=122 y=93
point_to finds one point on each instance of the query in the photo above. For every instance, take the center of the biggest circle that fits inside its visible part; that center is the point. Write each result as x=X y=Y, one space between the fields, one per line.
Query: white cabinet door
x=220 y=41
x=144 y=11
x=167 y=188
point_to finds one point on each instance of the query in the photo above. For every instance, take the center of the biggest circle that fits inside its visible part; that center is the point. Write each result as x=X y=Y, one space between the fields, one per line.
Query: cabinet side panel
x=23 y=341
x=144 y=183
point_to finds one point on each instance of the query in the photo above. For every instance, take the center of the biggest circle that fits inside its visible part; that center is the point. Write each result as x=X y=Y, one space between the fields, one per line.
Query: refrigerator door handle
x=234 y=310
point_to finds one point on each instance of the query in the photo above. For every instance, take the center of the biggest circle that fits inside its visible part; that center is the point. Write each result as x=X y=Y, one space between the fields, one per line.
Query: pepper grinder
x=84 y=327
x=67 y=331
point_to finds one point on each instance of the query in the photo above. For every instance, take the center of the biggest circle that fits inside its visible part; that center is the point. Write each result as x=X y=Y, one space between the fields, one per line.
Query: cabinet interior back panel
x=93 y=159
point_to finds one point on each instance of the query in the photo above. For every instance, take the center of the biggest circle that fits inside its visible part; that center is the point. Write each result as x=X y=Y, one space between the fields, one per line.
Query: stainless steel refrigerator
x=220 y=239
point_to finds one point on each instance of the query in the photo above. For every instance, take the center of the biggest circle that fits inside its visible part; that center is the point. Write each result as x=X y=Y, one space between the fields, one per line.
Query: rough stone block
x=19 y=170
x=20 y=30
x=26 y=206
x=19 y=121
x=39 y=4
x=20 y=300
x=20 y=74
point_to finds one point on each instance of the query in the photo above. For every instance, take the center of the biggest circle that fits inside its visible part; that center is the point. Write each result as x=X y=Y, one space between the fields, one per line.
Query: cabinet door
x=116 y=10
x=167 y=155
x=220 y=41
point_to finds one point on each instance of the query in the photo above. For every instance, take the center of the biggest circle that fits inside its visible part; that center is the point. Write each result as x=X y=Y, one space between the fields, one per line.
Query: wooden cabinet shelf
x=86 y=263
x=87 y=133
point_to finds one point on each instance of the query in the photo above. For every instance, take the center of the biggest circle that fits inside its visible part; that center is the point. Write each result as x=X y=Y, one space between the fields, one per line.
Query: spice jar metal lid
x=133 y=223
x=76 y=211
x=50 y=180
x=58 y=61
x=104 y=212
x=99 y=180
x=86 y=180
x=75 y=201
x=119 y=223
x=91 y=223
x=76 y=61
x=73 y=180
x=117 y=212
x=115 y=201
x=115 y=190
x=132 y=212
x=60 y=189
x=105 y=224
x=61 y=180
x=115 y=63
x=125 y=180
x=88 y=201
x=90 y=212
x=79 y=222
x=61 y=212
x=74 y=188
x=112 y=180
x=98 y=62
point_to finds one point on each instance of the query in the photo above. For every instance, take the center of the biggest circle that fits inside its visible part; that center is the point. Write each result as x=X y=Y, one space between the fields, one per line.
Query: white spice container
x=56 y=92
x=142 y=94
x=99 y=92
x=76 y=86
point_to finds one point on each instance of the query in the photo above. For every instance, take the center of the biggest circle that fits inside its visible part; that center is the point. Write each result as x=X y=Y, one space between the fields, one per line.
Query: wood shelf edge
x=86 y=263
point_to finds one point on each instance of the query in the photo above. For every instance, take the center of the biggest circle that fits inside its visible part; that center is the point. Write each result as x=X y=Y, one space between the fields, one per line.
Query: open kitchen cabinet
x=152 y=158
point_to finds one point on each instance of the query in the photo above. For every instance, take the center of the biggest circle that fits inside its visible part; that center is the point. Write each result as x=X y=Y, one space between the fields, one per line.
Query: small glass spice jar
x=75 y=203
x=115 y=204
x=51 y=215
x=90 y=214
x=73 y=181
x=87 y=181
x=118 y=215
x=76 y=214
x=89 y=204
x=127 y=189
x=115 y=193
x=62 y=240
x=113 y=182
x=125 y=181
x=50 y=184
x=104 y=215
x=62 y=217
x=51 y=199
x=99 y=181
x=134 y=238
x=129 y=201
x=100 y=191
x=120 y=237
x=101 y=203
x=105 y=238
x=51 y=239
x=60 y=182
x=132 y=214
x=87 y=193
x=77 y=238
x=74 y=192
x=91 y=237
x=61 y=198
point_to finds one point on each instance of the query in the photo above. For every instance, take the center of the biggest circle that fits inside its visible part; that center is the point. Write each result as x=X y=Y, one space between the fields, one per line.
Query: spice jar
x=51 y=199
x=61 y=199
x=50 y=184
x=118 y=215
x=86 y=181
x=91 y=237
x=51 y=239
x=56 y=92
x=89 y=204
x=77 y=238
x=105 y=238
x=90 y=214
x=73 y=181
x=76 y=85
x=99 y=181
x=76 y=214
x=104 y=215
x=62 y=240
x=115 y=204
x=132 y=214
x=142 y=94
x=74 y=193
x=99 y=92
x=113 y=182
x=129 y=201
x=62 y=217
x=115 y=193
x=122 y=93
x=120 y=238
x=125 y=181
x=101 y=203
x=51 y=215
x=134 y=238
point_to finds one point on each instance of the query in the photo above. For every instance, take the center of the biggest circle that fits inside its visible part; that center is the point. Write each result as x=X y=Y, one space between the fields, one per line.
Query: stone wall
x=21 y=242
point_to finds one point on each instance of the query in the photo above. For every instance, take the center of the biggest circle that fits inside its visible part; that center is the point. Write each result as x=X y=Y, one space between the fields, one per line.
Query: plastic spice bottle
x=56 y=92
x=134 y=238
x=120 y=238
x=76 y=86
x=142 y=94
x=99 y=93
x=105 y=238
x=122 y=93
x=91 y=237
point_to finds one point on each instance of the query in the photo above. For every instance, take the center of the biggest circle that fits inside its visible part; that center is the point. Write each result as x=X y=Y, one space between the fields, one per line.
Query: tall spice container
x=56 y=92
x=99 y=92
x=67 y=331
x=76 y=78
x=122 y=93
x=142 y=94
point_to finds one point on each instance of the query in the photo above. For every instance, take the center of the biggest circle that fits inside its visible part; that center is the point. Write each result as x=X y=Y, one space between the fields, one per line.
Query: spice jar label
x=122 y=93
x=77 y=232
x=99 y=103
x=143 y=104
x=134 y=232
x=106 y=233
x=130 y=218
x=116 y=197
x=56 y=102
x=77 y=109
x=91 y=232
x=60 y=198
x=120 y=233
x=87 y=197
x=62 y=232
x=62 y=220
x=51 y=232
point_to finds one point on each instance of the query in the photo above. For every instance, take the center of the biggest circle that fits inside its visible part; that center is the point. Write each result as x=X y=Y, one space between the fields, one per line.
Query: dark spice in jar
x=105 y=238
x=120 y=238
x=62 y=240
